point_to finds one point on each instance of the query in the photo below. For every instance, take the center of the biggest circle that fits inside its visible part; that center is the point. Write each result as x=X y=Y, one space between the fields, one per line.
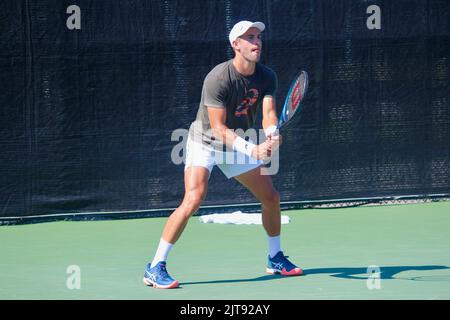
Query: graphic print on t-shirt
x=249 y=100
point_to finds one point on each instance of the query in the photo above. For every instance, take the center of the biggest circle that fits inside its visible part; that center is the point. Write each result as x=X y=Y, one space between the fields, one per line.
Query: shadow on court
x=262 y=278
x=385 y=272
x=359 y=273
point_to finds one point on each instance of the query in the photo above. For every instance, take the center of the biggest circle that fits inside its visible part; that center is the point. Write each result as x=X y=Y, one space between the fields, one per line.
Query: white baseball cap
x=242 y=26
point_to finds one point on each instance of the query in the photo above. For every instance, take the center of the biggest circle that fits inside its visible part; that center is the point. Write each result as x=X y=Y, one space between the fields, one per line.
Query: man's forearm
x=233 y=141
x=270 y=119
x=270 y=122
x=224 y=134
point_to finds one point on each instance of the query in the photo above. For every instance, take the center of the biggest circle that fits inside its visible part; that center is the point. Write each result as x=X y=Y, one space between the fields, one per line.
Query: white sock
x=162 y=252
x=274 y=245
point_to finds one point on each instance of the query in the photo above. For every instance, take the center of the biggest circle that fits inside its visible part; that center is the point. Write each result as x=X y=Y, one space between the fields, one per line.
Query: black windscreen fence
x=91 y=92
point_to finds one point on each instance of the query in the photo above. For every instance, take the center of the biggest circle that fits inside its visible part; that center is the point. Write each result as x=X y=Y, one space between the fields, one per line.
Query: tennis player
x=232 y=92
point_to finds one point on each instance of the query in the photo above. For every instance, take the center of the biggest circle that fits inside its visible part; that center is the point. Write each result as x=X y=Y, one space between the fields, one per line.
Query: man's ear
x=236 y=45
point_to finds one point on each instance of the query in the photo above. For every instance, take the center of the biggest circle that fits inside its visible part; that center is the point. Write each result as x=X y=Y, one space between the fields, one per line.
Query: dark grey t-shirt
x=241 y=96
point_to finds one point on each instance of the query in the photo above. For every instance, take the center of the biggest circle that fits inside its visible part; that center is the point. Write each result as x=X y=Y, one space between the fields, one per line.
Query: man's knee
x=271 y=198
x=192 y=202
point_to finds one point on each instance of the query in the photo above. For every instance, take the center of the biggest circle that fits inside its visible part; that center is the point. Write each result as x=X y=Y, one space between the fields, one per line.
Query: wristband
x=243 y=146
x=270 y=130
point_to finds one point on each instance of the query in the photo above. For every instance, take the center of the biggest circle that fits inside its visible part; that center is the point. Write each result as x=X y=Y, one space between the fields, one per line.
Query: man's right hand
x=262 y=151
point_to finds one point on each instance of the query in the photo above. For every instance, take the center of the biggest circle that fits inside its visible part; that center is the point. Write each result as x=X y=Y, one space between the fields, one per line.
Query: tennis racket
x=293 y=103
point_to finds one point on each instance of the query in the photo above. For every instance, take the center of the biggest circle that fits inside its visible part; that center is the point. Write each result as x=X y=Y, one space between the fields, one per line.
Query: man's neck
x=244 y=67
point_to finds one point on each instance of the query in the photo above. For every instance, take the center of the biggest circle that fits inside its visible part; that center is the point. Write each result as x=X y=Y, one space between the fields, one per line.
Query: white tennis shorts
x=232 y=164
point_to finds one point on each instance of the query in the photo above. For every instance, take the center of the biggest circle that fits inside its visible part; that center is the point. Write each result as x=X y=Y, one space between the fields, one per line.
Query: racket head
x=296 y=93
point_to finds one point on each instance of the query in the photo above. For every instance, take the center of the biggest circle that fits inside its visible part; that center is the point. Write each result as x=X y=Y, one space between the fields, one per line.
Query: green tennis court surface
x=409 y=243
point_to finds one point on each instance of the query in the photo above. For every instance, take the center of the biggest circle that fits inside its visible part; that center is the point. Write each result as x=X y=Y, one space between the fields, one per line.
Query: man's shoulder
x=220 y=70
x=219 y=76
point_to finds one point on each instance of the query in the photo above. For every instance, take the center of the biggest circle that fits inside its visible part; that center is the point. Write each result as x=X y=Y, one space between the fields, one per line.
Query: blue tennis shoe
x=279 y=264
x=158 y=276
